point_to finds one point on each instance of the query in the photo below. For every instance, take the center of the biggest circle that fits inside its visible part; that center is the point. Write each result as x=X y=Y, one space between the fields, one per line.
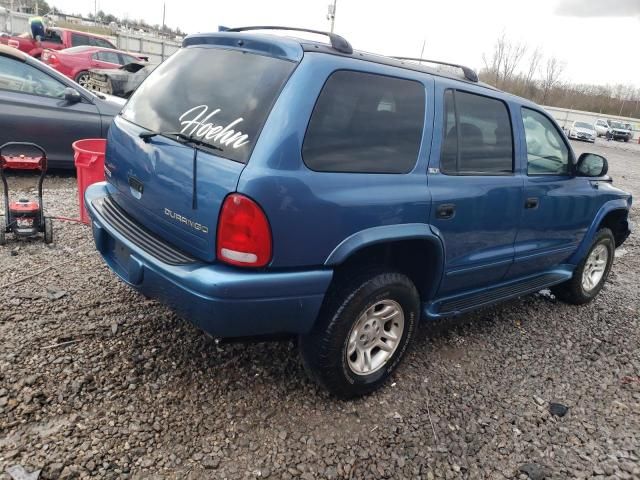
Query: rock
x=69 y=473
x=534 y=471
x=18 y=472
x=54 y=470
x=30 y=380
x=211 y=462
x=558 y=409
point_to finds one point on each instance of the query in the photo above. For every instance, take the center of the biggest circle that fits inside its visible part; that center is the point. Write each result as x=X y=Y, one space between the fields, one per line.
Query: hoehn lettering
x=197 y=122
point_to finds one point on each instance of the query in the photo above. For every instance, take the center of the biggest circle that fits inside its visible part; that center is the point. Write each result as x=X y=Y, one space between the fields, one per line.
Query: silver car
x=582 y=131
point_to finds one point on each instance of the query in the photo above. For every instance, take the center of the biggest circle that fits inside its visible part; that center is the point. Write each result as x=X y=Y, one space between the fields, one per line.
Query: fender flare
x=391 y=233
x=608 y=207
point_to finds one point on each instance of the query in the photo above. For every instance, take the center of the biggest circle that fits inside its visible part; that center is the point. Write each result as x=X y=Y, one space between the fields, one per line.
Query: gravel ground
x=97 y=381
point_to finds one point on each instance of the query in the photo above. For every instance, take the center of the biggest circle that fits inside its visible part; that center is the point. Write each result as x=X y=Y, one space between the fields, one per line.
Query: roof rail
x=469 y=73
x=337 y=42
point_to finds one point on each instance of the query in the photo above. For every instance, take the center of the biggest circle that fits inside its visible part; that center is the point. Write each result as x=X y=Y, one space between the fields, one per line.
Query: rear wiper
x=146 y=136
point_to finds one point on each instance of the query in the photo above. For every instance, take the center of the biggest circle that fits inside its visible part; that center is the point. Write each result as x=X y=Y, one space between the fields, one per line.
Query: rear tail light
x=244 y=235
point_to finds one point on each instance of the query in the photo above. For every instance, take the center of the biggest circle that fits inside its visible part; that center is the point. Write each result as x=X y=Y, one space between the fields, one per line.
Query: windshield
x=616 y=125
x=221 y=97
x=588 y=126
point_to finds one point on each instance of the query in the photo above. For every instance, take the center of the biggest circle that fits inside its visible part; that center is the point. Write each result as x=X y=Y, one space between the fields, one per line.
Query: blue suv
x=264 y=185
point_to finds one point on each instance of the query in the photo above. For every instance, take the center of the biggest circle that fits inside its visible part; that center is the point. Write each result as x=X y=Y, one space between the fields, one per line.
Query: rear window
x=221 y=97
x=365 y=123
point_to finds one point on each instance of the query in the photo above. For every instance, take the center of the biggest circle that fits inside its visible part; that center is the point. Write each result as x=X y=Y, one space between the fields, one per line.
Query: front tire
x=363 y=331
x=591 y=273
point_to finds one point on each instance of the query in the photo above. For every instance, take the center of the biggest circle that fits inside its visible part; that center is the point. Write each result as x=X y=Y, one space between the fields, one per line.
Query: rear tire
x=3 y=235
x=591 y=273
x=48 y=231
x=362 y=333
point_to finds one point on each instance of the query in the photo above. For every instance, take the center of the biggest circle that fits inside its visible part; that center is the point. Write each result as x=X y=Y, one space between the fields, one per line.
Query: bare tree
x=493 y=65
x=551 y=76
x=513 y=54
x=539 y=79
x=534 y=60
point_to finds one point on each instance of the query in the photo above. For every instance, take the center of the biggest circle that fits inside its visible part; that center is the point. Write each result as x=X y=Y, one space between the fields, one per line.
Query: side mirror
x=71 y=95
x=592 y=165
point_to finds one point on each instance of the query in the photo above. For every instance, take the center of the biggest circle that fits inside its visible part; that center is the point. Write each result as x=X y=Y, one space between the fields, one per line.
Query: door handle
x=531 y=202
x=446 y=210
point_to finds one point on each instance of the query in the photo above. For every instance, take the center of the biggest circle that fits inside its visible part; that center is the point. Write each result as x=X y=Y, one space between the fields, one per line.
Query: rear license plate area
x=121 y=255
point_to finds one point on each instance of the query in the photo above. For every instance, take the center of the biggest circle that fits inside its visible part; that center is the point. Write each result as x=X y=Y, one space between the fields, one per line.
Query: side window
x=547 y=153
x=477 y=136
x=20 y=77
x=78 y=40
x=110 y=57
x=365 y=123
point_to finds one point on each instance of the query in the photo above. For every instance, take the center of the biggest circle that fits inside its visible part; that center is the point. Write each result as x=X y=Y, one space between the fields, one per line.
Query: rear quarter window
x=365 y=123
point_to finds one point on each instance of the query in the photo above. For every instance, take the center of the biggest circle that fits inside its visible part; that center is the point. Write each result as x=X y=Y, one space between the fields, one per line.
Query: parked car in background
x=121 y=82
x=582 y=131
x=602 y=127
x=618 y=131
x=40 y=105
x=55 y=39
x=75 y=62
x=339 y=196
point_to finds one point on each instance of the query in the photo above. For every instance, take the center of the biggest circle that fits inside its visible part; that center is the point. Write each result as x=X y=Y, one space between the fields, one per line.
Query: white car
x=582 y=131
x=602 y=127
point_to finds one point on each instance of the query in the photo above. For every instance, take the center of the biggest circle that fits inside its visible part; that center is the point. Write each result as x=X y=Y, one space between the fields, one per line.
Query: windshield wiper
x=146 y=136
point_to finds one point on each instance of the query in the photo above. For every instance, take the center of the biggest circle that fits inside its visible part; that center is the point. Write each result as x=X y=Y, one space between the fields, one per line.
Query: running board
x=458 y=304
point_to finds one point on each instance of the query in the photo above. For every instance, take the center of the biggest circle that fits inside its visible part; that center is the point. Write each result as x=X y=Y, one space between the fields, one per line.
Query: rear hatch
x=175 y=187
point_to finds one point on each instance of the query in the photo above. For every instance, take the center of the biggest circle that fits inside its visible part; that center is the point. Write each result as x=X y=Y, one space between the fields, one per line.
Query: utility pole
x=36 y=8
x=164 y=12
x=332 y=14
x=95 y=13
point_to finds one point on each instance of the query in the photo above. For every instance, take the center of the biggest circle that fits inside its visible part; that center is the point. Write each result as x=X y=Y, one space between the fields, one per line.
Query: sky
x=598 y=39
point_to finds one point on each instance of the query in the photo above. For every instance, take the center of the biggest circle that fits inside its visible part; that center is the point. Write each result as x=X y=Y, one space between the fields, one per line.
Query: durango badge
x=187 y=221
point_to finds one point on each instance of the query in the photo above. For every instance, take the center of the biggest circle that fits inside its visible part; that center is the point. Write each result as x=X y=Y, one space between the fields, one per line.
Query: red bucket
x=89 y=160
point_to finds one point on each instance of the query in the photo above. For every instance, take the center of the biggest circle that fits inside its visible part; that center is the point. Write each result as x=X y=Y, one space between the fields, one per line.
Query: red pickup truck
x=56 y=39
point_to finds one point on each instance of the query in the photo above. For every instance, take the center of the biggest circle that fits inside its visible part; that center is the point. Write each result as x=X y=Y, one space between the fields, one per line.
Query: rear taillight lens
x=52 y=59
x=244 y=236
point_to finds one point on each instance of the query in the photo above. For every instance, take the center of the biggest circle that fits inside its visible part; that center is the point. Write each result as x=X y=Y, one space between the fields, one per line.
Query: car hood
x=109 y=105
x=584 y=130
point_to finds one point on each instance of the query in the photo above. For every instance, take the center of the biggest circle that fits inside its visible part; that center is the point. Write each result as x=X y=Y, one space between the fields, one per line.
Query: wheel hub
x=595 y=267
x=375 y=337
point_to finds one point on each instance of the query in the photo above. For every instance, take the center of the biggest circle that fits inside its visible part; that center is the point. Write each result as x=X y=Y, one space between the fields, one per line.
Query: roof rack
x=469 y=73
x=337 y=42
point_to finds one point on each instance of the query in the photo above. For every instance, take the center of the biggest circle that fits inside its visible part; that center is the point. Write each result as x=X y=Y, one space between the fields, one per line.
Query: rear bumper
x=223 y=301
